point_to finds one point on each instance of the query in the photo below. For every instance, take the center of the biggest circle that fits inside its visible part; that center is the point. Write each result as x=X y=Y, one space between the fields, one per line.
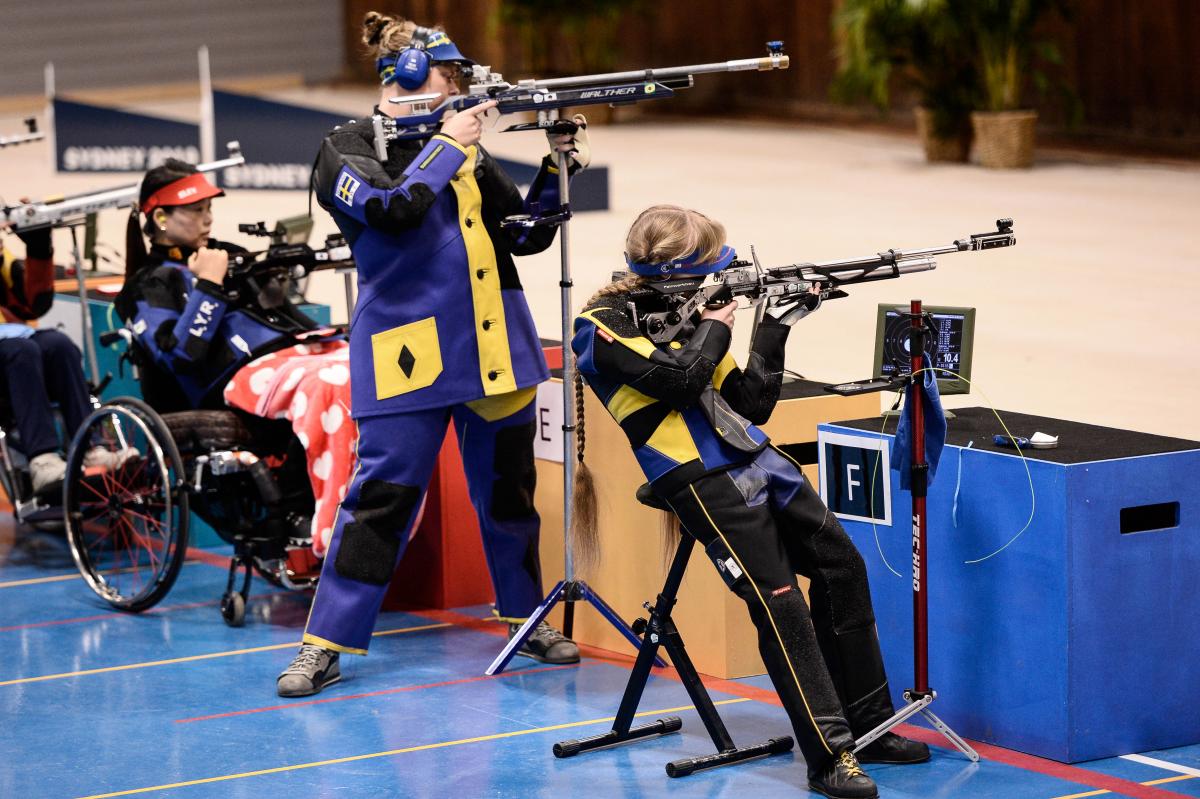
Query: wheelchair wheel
x=126 y=505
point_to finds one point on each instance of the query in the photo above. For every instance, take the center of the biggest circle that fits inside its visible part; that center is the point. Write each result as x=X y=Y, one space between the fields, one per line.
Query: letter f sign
x=850 y=481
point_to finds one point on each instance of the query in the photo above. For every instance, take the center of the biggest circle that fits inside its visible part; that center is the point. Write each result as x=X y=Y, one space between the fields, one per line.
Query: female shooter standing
x=690 y=414
x=440 y=331
x=251 y=349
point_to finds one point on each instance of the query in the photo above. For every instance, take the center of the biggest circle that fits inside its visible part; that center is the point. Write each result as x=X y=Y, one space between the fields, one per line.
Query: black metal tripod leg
x=622 y=729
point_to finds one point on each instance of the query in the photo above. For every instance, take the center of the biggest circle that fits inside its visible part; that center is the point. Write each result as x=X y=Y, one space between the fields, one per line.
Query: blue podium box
x=1078 y=640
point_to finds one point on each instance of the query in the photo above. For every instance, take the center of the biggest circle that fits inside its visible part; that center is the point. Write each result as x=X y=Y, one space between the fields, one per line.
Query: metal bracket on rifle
x=538 y=219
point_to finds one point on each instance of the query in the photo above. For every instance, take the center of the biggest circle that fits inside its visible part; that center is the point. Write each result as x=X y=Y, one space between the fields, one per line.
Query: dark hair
x=170 y=171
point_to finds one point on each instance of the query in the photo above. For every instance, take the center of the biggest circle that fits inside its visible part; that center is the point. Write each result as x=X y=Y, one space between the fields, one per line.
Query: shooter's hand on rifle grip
x=574 y=143
x=209 y=265
x=724 y=314
x=466 y=127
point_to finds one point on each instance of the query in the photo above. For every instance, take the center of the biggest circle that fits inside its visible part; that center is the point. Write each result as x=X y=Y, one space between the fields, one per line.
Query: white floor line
x=1164 y=764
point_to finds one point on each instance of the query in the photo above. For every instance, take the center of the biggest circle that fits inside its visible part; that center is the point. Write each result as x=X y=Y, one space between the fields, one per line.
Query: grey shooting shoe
x=547 y=645
x=313 y=669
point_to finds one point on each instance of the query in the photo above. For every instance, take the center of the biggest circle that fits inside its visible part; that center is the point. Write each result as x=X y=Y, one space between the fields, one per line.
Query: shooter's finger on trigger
x=482 y=108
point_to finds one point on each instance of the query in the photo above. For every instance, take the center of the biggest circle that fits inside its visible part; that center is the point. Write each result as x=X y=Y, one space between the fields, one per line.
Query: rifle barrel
x=666 y=73
x=53 y=212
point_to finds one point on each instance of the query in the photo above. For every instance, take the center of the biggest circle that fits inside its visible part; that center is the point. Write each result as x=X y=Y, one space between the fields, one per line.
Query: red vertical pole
x=920 y=562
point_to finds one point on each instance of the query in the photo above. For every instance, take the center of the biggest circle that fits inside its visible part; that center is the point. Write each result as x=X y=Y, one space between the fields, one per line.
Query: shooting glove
x=793 y=310
x=580 y=150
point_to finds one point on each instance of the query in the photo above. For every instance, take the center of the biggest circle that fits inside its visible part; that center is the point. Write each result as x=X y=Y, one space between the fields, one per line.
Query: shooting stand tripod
x=659 y=630
x=920 y=696
x=568 y=590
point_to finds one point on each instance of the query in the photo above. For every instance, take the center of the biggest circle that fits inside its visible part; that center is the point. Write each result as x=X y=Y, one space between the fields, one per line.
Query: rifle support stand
x=660 y=631
x=568 y=590
x=920 y=697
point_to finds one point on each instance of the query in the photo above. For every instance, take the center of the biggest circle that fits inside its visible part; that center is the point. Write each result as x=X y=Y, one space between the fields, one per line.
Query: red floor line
x=1008 y=757
x=116 y=614
x=385 y=692
x=1051 y=768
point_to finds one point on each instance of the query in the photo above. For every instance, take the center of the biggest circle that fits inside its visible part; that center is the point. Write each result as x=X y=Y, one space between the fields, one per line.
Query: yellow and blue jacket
x=686 y=406
x=441 y=317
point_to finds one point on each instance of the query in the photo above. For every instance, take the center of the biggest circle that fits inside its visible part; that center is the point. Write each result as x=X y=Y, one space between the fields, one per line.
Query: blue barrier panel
x=90 y=138
x=1081 y=639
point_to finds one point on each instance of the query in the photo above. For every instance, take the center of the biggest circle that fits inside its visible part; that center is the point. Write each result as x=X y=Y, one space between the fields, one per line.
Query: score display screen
x=947 y=354
x=950 y=346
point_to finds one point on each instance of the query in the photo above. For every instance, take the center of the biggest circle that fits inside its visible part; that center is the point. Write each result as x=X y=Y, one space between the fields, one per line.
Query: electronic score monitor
x=949 y=349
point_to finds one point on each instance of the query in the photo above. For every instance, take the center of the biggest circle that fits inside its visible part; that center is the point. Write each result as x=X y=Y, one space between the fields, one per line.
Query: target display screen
x=949 y=349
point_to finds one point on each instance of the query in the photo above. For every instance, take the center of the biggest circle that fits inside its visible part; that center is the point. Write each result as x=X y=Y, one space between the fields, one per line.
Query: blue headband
x=686 y=266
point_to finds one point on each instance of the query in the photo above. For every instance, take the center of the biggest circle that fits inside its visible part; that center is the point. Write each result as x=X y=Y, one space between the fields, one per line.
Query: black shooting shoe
x=843 y=778
x=892 y=748
x=547 y=645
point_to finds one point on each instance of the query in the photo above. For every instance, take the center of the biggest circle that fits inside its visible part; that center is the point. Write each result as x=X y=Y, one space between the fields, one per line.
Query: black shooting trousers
x=761 y=525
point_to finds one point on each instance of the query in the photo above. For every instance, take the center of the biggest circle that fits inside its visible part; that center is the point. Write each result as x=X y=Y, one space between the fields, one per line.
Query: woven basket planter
x=954 y=148
x=1004 y=139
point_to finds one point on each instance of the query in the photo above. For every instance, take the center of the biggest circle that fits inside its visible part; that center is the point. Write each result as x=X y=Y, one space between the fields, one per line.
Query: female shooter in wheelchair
x=690 y=414
x=441 y=331
x=247 y=388
x=37 y=368
x=216 y=337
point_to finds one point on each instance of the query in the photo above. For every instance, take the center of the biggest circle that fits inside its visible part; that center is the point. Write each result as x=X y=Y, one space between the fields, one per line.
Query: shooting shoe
x=547 y=645
x=313 y=669
x=843 y=778
x=892 y=748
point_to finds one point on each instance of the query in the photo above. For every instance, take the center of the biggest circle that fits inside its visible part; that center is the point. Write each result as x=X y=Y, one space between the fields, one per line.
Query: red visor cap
x=184 y=191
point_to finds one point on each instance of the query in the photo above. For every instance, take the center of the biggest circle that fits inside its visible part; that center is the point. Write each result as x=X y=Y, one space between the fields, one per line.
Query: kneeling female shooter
x=690 y=414
x=441 y=331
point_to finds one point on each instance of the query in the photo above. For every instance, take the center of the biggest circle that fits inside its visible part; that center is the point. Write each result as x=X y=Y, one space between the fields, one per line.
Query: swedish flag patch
x=346 y=188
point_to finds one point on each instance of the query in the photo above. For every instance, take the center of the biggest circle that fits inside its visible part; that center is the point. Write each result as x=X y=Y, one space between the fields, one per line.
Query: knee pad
x=512 y=491
x=371 y=542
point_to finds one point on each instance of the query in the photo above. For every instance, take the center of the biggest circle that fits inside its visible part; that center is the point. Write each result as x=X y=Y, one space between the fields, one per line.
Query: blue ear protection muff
x=412 y=66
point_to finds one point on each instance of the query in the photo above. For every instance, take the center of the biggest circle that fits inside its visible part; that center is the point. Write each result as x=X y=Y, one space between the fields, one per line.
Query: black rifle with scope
x=663 y=308
x=294 y=260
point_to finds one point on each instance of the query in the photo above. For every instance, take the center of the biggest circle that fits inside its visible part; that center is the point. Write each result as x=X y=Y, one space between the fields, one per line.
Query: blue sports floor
x=173 y=703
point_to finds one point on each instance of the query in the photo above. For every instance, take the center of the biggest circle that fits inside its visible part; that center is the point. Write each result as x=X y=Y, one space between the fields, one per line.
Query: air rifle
x=23 y=138
x=546 y=96
x=295 y=260
x=67 y=211
x=662 y=308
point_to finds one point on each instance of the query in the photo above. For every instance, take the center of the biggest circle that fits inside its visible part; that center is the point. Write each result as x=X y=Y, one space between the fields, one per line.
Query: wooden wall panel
x=1132 y=62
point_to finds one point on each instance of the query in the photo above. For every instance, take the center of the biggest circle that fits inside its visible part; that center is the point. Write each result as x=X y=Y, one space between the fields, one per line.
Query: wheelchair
x=245 y=476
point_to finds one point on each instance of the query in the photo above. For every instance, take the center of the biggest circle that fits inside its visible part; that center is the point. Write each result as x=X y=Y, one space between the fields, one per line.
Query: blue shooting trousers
x=396 y=456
